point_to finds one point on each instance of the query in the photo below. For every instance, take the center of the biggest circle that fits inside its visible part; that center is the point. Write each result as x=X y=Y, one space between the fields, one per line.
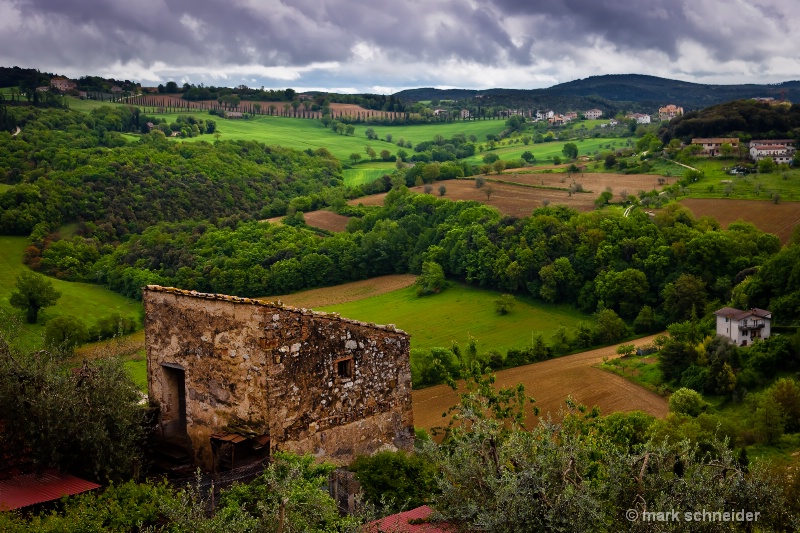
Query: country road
x=550 y=382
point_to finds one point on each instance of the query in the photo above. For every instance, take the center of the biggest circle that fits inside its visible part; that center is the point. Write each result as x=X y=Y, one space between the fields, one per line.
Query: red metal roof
x=399 y=523
x=28 y=489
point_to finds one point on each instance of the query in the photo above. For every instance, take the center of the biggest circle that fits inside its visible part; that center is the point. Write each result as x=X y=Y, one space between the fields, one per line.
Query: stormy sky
x=388 y=45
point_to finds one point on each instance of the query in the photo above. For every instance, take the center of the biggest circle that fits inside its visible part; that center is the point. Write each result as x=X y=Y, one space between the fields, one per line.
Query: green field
x=366 y=173
x=137 y=368
x=85 y=105
x=544 y=152
x=716 y=183
x=460 y=311
x=82 y=300
x=425 y=132
x=302 y=134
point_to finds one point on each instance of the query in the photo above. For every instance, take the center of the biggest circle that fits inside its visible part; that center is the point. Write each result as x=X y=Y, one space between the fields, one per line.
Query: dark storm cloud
x=660 y=24
x=174 y=36
x=273 y=33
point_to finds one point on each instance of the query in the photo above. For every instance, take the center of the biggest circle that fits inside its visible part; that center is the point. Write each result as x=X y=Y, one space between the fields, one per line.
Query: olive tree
x=33 y=293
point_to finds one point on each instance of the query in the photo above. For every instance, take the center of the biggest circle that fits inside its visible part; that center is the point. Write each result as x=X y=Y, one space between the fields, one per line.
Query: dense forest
x=74 y=168
x=745 y=119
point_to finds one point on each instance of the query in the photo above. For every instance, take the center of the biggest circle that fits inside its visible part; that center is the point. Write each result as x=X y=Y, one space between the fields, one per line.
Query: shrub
x=687 y=402
x=395 y=480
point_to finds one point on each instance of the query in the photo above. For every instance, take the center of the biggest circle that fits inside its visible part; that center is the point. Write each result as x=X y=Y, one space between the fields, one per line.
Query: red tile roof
x=400 y=523
x=737 y=314
x=28 y=489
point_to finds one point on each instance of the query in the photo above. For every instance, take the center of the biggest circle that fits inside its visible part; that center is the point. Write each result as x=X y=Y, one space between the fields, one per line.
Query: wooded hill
x=745 y=119
x=612 y=93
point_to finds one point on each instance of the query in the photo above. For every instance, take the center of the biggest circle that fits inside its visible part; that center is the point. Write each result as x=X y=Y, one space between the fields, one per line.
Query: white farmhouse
x=780 y=153
x=743 y=326
x=593 y=114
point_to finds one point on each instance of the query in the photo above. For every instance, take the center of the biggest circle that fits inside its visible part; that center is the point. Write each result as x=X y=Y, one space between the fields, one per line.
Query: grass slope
x=302 y=134
x=82 y=300
x=542 y=151
x=458 y=312
x=366 y=173
x=716 y=183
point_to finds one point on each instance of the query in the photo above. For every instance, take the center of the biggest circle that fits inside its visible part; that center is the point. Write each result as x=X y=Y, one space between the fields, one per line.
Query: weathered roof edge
x=275 y=305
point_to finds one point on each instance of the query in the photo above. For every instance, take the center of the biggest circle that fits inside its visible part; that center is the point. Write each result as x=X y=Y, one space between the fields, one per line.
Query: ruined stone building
x=240 y=376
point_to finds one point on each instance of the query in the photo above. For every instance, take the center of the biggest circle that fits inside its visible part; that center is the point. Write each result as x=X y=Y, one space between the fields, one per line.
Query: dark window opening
x=344 y=368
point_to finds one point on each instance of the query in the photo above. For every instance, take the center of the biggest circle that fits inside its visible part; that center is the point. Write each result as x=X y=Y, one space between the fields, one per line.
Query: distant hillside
x=740 y=118
x=630 y=92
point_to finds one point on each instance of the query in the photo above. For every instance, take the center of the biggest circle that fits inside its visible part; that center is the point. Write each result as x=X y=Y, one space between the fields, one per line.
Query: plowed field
x=508 y=199
x=347 y=292
x=326 y=220
x=517 y=195
x=779 y=219
x=550 y=382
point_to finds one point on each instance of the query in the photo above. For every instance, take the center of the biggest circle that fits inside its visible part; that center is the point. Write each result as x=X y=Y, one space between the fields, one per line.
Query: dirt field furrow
x=346 y=292
x=551 y=382
x=779 y=219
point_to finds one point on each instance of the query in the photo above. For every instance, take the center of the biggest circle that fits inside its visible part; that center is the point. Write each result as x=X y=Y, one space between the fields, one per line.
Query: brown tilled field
x=326 y=220
x=347 y=292
x=520 y=200
x=779 y=219
x=595 y=182
x=508 y=199
x=550 y=382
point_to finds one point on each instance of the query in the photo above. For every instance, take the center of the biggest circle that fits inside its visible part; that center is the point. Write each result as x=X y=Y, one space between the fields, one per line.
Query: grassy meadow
x=366 y=173
x=544 y=152
x=460 y=311
x=82 y=300
x=303 y=134
x=716 y=183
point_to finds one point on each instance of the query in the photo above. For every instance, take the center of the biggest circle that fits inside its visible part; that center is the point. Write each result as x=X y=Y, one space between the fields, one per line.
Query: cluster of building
x=64 y=85
x=780 y=150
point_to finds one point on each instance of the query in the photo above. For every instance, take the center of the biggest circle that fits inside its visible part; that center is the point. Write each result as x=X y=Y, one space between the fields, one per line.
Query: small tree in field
x=355 y=158
x=504 y=303
x=33 y=293
x=625 y=349
x=480 y=181
x=442 y=190
x=431 y=280
x=488 y=192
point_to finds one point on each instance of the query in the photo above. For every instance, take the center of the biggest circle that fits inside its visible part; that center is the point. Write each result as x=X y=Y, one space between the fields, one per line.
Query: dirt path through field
x=550 y=382
x=346 y=292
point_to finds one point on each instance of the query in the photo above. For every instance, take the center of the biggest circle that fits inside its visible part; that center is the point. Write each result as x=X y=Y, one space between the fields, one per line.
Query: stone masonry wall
x=272 y=369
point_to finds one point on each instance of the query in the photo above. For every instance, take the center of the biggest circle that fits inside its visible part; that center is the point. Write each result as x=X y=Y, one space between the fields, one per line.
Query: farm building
x=670 y=111
x=593 y=114
x=640 y=118
x=238 y=378
x=743 y=326
x=713 y=147
x=780 y=152
x=62 y=84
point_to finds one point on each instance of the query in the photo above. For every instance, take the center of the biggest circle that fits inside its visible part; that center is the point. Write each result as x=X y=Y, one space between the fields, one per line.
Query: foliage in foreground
x=84 y=420
x=288 y=496
x=585 y=472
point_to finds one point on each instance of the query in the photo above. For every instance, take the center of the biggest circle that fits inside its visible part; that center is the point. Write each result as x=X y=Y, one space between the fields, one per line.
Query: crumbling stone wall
x=314 y=382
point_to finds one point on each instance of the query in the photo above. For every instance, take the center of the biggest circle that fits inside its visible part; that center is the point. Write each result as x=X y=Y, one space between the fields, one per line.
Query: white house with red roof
x=743 y=327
